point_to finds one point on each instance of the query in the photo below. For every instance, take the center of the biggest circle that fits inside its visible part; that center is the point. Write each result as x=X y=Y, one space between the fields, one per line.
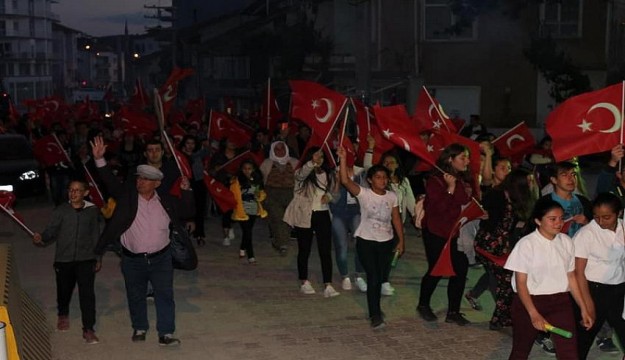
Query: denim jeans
x=159 y=271
x=340 y=227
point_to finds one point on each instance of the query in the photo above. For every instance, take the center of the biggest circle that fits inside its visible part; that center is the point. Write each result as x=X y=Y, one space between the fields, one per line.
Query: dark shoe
x=89 y=336
x=168 y=340
x=495 y=326
x=456 y=318
x=200 y=241
x=62 y=323
x=607 y=345
x=138 y=335
x=377 y=323
x=475 y=305
x=546 y=344
x=426 y=313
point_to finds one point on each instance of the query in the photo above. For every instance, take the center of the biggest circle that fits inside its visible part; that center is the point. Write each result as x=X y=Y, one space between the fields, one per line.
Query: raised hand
x=98 y=148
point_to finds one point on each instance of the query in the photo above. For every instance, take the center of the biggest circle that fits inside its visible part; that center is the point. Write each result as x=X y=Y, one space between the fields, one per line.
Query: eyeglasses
x=75 y=190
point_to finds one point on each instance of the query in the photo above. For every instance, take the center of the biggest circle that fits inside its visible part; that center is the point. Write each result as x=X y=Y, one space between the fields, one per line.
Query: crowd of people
x=554 y=259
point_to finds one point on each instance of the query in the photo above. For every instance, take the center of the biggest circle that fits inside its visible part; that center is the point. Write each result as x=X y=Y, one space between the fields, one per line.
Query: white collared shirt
x=605 y=252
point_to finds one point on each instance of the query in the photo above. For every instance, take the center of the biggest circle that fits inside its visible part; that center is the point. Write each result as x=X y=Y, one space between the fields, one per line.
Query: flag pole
x=231 y=160
x=620 y=162
x=158 y=108
x=58 y=142
x=95 y=185
x=507 y=132
x=171 y=148
x=435 y=107
x=268 y=102
x=210 y=120
x=18 y=221
x=344 y=126
x=334 y=123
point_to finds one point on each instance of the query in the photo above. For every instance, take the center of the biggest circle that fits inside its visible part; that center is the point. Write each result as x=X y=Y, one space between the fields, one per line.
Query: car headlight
x=29 y=175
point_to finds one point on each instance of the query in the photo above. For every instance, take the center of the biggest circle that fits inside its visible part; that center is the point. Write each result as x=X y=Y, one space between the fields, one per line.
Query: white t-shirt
x=375 y=215
x=605 y=251
x=546 y=263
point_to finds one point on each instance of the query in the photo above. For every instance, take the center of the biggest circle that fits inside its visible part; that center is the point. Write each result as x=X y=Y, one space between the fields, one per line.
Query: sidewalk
x=228 y=309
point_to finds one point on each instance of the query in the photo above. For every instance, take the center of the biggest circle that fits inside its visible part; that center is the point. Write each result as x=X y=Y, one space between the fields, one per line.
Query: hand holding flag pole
x=558 y=331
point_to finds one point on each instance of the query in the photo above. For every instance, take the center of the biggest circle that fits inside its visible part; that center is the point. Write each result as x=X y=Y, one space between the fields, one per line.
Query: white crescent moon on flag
x=440 y=108
x=219 y=119
x=615 y=113
x=512 y=138
x=406 y=145
x=329 y=113
x=463 y=220
x=51 y=148
x=167 y=96
x=432 y=107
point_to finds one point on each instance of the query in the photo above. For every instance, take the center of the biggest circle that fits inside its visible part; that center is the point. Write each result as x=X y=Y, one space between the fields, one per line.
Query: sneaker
x=456 y=318
x=607 y=345
x=231 y=234
x=168 y=340
x=138 y=335
x=377 y=323
x=242 y=254
x=251 y=261
x=387 y=289
x=475 y=305
x=307 y=288
x=150 y=296
x=547 y=345
x=329 y=292
x=346 y=284
x=89 y=336
x=361 y=284
x=62 y=323
x=426 y=313
x=226 y=241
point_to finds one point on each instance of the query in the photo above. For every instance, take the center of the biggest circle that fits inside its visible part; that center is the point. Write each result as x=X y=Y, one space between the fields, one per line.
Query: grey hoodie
x=76 y=232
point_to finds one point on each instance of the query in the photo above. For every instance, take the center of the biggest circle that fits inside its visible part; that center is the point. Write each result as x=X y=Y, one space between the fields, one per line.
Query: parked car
x=19 y=171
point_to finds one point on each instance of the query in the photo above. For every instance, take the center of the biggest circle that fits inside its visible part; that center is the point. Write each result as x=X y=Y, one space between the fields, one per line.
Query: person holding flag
x=446 y=191
x=380 y=215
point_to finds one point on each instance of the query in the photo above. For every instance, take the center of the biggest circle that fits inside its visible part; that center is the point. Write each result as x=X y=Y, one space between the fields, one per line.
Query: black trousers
x=247 y=228
x=455 y=288
x=68 y=274
x=375 y=257
x=608 y=301
x=321 y=227
x=200 y=197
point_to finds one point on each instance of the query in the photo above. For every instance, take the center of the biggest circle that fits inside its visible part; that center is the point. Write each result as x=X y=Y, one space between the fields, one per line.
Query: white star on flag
x=315 y=104
x=437 y=124
x=585 y=126
x=430 y=148
x=387 y=133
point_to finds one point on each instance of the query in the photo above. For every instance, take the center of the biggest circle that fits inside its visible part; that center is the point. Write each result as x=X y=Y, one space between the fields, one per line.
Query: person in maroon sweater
x=445 y=193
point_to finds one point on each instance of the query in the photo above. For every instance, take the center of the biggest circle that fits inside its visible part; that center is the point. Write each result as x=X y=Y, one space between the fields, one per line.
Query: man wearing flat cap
x=141 y=222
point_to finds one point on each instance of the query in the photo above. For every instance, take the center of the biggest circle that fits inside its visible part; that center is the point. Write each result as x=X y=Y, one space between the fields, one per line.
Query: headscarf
x=272 y=154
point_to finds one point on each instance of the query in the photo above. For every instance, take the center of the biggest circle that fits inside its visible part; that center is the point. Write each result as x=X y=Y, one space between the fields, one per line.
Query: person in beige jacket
x=309 y=214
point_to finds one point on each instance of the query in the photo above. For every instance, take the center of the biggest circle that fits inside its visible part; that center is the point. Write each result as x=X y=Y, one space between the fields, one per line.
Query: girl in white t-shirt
x=543 y=263
x=379 y=213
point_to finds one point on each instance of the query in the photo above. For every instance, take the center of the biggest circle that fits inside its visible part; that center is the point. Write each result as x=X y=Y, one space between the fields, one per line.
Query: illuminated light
x=135 y=55
x=6 y=187
x=87 y=47
x=29 y=175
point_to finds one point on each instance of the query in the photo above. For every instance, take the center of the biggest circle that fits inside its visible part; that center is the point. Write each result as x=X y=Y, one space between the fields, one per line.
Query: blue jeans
x=159 y=271
x=340 y=226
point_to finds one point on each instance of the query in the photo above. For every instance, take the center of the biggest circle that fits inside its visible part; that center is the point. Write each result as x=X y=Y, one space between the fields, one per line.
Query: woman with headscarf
x=278 y=175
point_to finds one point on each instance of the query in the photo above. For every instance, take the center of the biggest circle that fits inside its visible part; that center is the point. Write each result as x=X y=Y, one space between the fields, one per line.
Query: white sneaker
x=306 y=288
x=231 y=234
x=347 y=284
x=226 y=241
x=330 y=292
x=361 y=284
x=387 y=289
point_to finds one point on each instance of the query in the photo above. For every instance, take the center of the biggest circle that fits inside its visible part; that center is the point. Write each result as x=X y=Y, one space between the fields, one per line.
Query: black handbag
x=182 y=251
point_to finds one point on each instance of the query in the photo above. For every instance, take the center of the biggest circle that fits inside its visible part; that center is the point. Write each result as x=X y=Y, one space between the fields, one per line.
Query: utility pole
x=166 y=14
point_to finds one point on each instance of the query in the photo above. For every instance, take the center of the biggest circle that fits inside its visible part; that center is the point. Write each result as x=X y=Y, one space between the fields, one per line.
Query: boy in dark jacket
x=75 y=226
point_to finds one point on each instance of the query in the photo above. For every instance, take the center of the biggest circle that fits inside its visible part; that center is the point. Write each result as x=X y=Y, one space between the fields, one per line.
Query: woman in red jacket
x=445 y=194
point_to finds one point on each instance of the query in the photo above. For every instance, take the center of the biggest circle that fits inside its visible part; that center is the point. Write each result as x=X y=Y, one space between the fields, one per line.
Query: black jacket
x=127 y=198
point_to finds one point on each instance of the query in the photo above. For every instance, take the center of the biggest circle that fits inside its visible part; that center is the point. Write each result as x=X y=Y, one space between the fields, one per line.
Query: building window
x=561 y=18
x=439 y=20
x=16 y=26
x=230 y=67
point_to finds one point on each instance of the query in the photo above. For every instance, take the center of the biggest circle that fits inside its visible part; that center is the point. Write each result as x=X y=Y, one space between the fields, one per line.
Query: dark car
x=19 y=171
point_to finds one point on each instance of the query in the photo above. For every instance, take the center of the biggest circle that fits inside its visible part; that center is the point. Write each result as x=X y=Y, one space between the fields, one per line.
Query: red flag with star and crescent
x=221 y=195
x=586 y=124
x=48 y=151
x=365 y=119
x=169 y=91
x=516 y=142
x=396 y=126
x=221 y=125
x=316 y=106
x=430 y=116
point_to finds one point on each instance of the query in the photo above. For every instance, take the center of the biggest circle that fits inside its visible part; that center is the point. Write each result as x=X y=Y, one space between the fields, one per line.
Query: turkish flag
x=221 y=126
x=183 y=164
x=443 y=266
x=365 y=120
x=430 y=116
x=139 y=98
x=177 y=132
x=195 y=109
x=48 y=151
x=94 y=191
x=475 y=159
x=515 y=142
x=586 y=124
x=7 y=199
x=232 y=166
x=169 y=91
x=137 y=122
x=316 y=106
x=397 y=127
x=222 y=196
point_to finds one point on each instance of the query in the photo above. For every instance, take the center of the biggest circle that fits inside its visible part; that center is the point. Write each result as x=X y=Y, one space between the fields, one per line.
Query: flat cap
x=149 y=172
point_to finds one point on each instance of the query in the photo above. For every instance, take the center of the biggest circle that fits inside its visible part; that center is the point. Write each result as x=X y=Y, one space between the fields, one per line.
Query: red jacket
x=442 y=209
